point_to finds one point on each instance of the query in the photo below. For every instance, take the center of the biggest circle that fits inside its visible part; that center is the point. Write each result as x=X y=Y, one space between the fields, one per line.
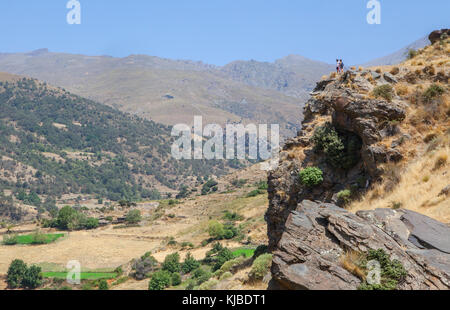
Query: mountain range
x=173 y=91
x=398 y=56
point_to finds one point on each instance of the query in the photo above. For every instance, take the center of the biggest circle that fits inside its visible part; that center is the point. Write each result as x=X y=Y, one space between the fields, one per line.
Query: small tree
x=172 y=263
x=160 y=280
x=144 y=266
x=32 y=278
x=190 y=264
x=66 y=217
x=91 y=223
x=16 y=272
x=133 y=217
x=103 y=285
x=224 y=255
x=216 y=230
x=176 y=279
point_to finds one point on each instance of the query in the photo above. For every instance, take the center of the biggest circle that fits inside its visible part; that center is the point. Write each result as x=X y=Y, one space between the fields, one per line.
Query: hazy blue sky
x=217 y=31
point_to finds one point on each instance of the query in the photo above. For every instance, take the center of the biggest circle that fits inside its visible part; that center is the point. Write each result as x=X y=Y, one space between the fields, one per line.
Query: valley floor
x=109 y=247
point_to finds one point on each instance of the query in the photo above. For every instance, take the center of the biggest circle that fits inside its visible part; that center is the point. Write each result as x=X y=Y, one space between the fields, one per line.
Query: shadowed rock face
x=317 y=234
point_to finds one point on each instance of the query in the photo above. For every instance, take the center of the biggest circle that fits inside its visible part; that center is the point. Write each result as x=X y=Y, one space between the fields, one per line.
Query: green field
x=247 y=252
x=83 y=276
x=31 y=239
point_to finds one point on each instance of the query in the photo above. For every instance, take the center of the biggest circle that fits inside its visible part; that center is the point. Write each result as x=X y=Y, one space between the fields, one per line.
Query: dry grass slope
x=418 y=183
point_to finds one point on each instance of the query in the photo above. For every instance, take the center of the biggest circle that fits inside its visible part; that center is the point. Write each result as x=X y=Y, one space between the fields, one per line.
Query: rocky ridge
x=309 y=233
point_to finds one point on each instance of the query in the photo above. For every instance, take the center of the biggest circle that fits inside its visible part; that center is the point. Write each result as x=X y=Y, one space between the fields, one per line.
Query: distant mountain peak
x=398 y=56
x=38 y=52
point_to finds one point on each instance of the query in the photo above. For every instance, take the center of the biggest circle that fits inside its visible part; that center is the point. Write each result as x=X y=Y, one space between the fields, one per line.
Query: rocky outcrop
x=307 y=228
x=437 y=35
x=353 y=113
x=316 y=235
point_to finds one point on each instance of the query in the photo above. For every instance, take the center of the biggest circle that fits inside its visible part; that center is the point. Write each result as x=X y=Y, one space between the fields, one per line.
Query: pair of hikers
x=339 y=66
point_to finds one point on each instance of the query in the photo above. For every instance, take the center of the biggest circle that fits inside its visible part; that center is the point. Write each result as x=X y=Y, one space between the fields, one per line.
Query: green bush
x=311 y=176
x=172 y=263
x=260 y=250
x=16 y=272
x=432 y=92
x=340 y=150
x=66 y=218
x=201 y=275
x=190 y=264
x=160 y=280
x=176 y=279
x=224 y=255
x=70 y=219
x=133 y=217
x=411 y=53
x=91 y=223
x=172 y=242
x=209 y=285
x=208 y=186
x=144 y=266
x=238 y=182
x=216 y=230
x=10 y=239
x=345 y=196
x=232 y=216
x=229 y=265
x=260 y=267
x=186 y=244
x=103 y=285
x=384 y=91
x=190 y=284
x=255 y=193
x=226 y=275
x=19 y=275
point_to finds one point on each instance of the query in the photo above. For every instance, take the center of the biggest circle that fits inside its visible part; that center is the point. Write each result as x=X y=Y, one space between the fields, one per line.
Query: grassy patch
x=31 y=239
x=244 y=252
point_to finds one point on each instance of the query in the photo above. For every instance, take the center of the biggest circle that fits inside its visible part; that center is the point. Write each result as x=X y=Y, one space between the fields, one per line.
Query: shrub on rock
x=311 y=176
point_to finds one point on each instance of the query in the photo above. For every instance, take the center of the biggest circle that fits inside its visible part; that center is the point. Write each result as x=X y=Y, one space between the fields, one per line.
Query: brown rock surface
x=316 y=235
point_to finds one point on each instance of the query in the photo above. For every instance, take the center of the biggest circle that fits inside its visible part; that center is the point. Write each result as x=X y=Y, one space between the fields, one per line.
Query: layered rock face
x=316 y=234
x=309 y=233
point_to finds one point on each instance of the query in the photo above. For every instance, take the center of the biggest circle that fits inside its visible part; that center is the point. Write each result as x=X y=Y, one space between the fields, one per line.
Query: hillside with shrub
x=53 y=143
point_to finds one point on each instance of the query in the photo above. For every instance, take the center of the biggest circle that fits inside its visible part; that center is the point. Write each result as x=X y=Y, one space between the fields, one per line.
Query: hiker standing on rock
x=338 y=66
x=341 y=66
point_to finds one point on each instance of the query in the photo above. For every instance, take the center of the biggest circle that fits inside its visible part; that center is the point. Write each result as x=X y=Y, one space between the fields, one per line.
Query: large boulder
x=316 y=235
x=436 y=36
